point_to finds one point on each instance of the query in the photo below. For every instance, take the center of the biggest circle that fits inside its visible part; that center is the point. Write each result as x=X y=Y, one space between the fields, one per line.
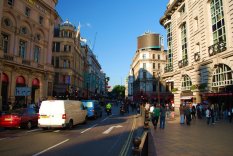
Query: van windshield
x=89 y=104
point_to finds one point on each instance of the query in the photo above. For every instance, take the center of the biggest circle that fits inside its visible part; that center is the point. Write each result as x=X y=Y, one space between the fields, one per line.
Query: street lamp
x=159 y=88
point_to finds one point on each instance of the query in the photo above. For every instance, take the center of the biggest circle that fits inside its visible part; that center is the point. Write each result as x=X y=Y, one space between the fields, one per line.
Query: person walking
x=208 y=115
x=162 y=117
x=181 y=114
x=193 y=112
x=156 y=113
x=187 y=113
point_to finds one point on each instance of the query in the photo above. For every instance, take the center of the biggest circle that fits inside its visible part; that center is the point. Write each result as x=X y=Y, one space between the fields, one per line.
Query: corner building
x=147 y=67
x=26 y=51
x=200 y=53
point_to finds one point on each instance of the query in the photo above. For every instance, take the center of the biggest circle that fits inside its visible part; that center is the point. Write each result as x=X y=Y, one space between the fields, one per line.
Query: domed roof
x=67 y=23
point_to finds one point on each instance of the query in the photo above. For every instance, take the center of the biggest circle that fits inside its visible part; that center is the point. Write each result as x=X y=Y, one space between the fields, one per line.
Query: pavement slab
x=198 y=139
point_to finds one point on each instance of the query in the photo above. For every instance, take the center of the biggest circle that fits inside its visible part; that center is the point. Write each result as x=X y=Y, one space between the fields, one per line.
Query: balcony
x=217 y=48
x=26 y=62
x=168 y=68
x=183 y=63
x=8 y=57
x=197 y=56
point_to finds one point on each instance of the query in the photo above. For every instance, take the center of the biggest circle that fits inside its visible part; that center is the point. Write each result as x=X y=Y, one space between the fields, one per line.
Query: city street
x=105 y=136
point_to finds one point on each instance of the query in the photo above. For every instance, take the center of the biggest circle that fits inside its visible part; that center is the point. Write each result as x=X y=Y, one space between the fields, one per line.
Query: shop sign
x=22 y=91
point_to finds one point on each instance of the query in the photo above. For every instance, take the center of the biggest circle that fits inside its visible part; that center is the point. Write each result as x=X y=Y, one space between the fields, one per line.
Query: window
x=36 y=54
x=41 y=19
x=27 y=11
x=66 y=64
x=158 y=57
x=184 y=42
x=56 y=77
x=57 y=62
x=144 y=65
x=5 y=43
x=24 y=30
x=7 y=22
x=144 y=75
x=56 y=46
x=158 y=65
x=67 y=48
x=222 y=76
x=154 y=87
x=182 y=10
x=153 y=56
x=195 y=24
x=169 y=45
x=186 y=82
x=197 y=47
x=10 y=2
x=154 y=75
x=56 y=32
x=143 y=56
x=218 y=23
x=22 y=49
x=52 y=60
x=153 y=65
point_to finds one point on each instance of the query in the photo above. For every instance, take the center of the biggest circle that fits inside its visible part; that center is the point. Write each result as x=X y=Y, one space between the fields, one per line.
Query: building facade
x=200 y=53
x=147 y=66
x=26 y=51
x=68 y=62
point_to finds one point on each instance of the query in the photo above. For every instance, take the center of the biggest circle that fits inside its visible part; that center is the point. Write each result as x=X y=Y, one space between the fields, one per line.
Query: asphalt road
x=109 y=135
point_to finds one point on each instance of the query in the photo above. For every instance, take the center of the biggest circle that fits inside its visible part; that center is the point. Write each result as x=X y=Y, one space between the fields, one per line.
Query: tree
x=118 y=92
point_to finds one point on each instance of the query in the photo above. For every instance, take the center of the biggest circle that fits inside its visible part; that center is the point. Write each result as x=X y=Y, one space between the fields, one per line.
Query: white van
x=61 y=114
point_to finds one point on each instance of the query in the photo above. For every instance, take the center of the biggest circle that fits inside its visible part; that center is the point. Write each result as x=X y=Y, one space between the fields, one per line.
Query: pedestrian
x=208 y=115
x=193 y=112
x=151 y=112
x=187 y=114
x=199 y=111
x=181 y=114
x=162 y=117
x=212 y=114
x=229 y=112
x=156 y=113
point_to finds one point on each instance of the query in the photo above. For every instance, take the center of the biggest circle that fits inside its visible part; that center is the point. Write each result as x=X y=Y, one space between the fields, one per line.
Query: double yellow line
x=126 y=146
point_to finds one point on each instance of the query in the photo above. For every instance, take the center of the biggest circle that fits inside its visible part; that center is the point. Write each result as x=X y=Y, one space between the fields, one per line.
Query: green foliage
x=118 y=91
x=174 y=89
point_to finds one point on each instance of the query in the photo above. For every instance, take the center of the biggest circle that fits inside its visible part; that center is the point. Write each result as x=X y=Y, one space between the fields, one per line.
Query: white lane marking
x=111 y=128
x=33 y=130
x=47 y=149
x=104 y=119
x=56 y=131
x=3 y=139
x=89 y=128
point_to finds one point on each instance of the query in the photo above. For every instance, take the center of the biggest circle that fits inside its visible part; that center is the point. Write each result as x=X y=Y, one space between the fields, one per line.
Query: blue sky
x=114 y=25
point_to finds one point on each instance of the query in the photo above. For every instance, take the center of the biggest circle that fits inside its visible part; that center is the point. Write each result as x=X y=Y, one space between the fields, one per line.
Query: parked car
x=94 y=109
x=61 y=114
x=19 y=118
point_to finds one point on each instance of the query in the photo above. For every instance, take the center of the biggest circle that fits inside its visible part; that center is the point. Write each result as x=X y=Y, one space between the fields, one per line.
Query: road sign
x=22 y=91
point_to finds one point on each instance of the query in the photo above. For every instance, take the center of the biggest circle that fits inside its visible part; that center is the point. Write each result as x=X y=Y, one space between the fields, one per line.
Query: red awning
x=4 y=78
x=20 y=80
x=35 y=82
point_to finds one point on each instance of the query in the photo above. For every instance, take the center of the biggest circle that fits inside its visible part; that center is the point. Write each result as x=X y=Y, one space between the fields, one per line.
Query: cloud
x=86 y=25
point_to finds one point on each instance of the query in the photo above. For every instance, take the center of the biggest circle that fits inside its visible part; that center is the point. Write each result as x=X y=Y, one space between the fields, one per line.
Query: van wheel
x=70 y=125
x=29 y=125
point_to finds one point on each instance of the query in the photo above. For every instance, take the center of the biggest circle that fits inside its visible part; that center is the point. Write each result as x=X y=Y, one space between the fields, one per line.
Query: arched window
x=186 y=83
x=222 y=76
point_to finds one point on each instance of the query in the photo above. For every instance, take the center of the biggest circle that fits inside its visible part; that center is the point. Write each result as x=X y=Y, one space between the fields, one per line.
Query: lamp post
x=159 y=88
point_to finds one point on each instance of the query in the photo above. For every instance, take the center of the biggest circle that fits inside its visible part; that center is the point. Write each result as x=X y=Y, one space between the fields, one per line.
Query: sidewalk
x=199 y=139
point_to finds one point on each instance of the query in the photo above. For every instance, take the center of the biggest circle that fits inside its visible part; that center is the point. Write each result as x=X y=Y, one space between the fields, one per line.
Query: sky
x=112 y=27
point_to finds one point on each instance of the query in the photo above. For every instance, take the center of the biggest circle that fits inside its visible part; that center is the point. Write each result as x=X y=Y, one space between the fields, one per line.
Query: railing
x=217 y=48
x=8 y=57
x=168 y=69
x=27 y=62
x=183 y=63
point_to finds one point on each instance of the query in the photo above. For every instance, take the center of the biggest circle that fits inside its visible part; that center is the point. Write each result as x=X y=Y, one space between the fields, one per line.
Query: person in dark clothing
x=187 y=113
x=193 y=112
x=162 y=117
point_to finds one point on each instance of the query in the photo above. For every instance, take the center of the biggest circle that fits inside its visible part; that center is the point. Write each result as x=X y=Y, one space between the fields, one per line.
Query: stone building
x=26 y=51
x=146 y=68
x=200 y=53
x=68 y=61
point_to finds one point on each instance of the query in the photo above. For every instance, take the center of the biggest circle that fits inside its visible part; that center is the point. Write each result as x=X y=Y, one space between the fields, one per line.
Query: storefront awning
x=186 y=97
